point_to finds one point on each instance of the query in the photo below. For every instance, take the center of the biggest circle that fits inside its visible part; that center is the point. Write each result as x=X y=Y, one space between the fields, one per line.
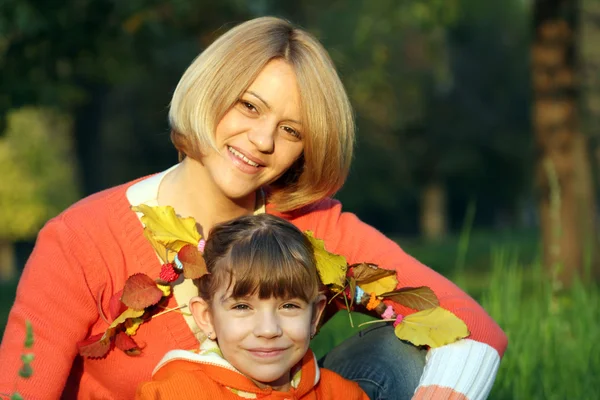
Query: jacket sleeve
x=57 y=298
x=345 y=234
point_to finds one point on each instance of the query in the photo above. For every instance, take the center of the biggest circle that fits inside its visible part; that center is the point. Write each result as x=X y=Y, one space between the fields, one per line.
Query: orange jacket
x=189 y=378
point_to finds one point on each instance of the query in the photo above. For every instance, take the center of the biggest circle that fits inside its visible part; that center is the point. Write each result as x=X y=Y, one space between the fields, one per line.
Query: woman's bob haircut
x=219 y=76
x=259 y=255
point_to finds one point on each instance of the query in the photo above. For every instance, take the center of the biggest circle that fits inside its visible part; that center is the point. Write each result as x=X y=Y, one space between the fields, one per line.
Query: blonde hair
x=219 y=76
x=259 y=254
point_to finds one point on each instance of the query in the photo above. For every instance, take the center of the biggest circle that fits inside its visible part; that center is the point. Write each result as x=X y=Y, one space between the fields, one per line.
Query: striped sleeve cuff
x=464 y=370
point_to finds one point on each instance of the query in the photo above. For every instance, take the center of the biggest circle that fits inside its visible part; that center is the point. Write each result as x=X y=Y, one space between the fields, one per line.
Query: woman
x=262 y=124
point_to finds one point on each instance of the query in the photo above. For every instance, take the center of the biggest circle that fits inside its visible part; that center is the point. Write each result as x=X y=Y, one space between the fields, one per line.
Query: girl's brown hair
x=221 y=74
x=259 y=254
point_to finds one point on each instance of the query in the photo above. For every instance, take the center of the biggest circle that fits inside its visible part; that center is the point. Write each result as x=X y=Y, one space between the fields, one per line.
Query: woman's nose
x=267 y=325
x=263 y=137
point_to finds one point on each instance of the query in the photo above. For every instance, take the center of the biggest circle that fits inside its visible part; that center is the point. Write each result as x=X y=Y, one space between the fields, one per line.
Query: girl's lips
x=266 y=352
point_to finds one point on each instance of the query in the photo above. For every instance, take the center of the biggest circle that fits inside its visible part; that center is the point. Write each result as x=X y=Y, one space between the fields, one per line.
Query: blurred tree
x=588 y=56
x=38 y=176
x=71 y=54
x=566 y=201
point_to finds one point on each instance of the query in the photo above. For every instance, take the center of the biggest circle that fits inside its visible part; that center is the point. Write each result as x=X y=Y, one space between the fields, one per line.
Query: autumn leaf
x=382 y=285
x=124 y=342
x=140 y=291
x=433 y=327
x=95 y=346
x=132 y=325
x=160 y=249
x=366 y=273
x=115 y=305
x=167 y=228
x=419 y=298
x=331 y=267
x=165 y=289
x=193 y=262
x=129 y=313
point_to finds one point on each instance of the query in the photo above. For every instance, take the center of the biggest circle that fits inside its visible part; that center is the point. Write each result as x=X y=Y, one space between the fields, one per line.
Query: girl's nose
x=263 y=137
x=267 y=325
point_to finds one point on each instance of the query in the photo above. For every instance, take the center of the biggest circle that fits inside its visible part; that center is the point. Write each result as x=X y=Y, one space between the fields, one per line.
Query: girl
x=263 y=125
x=259 y=306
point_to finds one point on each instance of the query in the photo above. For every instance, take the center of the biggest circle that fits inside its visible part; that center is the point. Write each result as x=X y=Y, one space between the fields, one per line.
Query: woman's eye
x=292 y=132
x=248 y=106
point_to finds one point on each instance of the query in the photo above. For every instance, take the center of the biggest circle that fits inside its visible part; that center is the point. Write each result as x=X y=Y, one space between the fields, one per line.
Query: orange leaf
x=419 y=298
x=193 y=262
x=367 y=273
x=95 y=346
x=140 y=291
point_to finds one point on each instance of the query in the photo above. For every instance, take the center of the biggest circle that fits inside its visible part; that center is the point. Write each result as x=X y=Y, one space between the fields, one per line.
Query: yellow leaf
x=166 y=228
x=331 y=267
x=385 y=284
x=166 y=289
x=132 y=325
x=129 y=313
x=433 y=327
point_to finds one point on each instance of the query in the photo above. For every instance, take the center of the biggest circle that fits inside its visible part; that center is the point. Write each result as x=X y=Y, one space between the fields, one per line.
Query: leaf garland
x=367 y=285
x=176 y=241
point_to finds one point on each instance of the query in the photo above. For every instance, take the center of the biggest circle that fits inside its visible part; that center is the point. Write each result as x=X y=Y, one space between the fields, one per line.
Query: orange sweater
x=189 y=378
x=83 y=256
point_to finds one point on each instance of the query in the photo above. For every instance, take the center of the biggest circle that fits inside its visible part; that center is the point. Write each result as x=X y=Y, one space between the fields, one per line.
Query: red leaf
x=193 y=262
x=94 y=346
x=124 y=342
x=116 y=306
x=140 y=291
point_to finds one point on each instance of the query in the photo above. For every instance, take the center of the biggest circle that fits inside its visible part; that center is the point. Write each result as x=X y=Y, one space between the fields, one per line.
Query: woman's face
x=260 y=137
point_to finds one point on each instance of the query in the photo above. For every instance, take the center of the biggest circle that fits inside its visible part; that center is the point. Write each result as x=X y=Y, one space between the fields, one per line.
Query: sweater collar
x=304 y=376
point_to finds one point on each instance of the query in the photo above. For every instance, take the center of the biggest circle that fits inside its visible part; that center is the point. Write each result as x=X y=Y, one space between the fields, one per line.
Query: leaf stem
x=376 y=321
x=168 y=310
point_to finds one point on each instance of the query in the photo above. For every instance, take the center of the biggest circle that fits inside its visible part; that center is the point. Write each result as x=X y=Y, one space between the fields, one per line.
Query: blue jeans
x=384 y=366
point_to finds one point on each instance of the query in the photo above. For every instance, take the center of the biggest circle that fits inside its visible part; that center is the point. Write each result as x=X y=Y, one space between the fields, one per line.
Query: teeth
x=242 y=157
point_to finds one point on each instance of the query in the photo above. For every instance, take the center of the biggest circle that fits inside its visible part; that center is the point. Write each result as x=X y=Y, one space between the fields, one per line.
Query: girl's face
x=260 y=137
x=263 y=339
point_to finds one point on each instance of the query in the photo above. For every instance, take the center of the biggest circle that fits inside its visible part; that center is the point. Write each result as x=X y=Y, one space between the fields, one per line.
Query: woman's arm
x=55 y=296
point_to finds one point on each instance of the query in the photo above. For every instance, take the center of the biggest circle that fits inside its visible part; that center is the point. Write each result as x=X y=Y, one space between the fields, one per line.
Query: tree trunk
x=8 y=266
x=566 y=200
x=433 y=219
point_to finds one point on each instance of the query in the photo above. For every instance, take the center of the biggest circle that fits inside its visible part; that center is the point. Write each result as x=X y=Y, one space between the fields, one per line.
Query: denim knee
x=383 y=365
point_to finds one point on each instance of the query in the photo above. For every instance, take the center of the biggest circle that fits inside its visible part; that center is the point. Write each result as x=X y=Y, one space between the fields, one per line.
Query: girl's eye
x=292 y=132
x=241 y=307
x=290 y=306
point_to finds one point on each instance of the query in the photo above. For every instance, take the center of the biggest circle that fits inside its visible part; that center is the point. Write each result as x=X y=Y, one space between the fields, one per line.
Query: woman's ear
x=200 y=310
x=318 y=307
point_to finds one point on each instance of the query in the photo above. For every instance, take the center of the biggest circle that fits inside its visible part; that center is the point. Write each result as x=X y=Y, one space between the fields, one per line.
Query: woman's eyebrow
x=268 y=106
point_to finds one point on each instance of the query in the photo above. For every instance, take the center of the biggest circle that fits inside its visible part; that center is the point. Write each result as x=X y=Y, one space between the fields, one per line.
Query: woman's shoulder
x=109 y=203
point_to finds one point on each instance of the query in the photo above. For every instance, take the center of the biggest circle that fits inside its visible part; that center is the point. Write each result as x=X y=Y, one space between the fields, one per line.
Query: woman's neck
x=192 y=193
